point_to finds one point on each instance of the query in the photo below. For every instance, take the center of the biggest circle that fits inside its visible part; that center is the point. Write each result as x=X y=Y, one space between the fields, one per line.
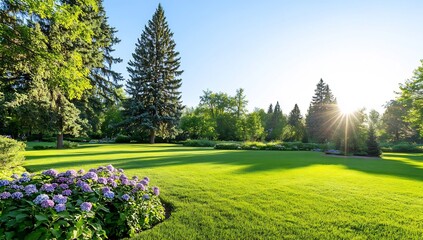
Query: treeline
x=57 y=80
x=220 y=116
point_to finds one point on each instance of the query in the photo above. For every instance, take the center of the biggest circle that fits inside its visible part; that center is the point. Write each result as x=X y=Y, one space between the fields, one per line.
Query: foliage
x=228 y=146
x=395 y=128
x=412 y=98
x=199 y=143
x=276 y=121
x=278 y=146
x=58 y=56
x=250 y=127
x=322 y=114
x=373 y=148
x=154 y=102
x=295 y=129
x=197 y=124
x=404 y=147
x=102 y=203
x=122 y=139
x=350 y=132
x=70 y=144
x=11 y=153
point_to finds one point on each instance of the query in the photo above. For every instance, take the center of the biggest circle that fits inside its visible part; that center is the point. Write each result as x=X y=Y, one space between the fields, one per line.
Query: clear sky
x=278 y=50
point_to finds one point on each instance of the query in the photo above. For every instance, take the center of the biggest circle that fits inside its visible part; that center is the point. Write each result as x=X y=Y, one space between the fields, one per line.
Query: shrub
x=11 y=153
x=228 y=146
x=401 y=147
x=122 y=139
x=199 y=143
x=406 y=148
x=68 y=144
x=41 y=147
x=102 y=203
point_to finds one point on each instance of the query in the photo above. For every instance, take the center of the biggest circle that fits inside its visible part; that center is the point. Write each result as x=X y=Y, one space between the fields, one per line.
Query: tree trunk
x=152 y=136
x=59 y=141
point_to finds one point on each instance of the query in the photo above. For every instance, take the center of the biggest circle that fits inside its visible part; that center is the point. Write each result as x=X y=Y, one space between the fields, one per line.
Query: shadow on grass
x=400 y=165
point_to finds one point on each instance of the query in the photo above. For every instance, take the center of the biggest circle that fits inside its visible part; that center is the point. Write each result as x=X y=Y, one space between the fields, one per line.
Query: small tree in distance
x=373 y=148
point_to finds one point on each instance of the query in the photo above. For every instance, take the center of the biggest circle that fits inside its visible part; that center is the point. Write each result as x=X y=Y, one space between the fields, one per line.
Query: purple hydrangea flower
x=126 y=197
x=17 y=195
x=5 y=195
x=110 y=168
x=61 y=179
x=102 y=180
x=90 y=175
x=15 y=176
x=86 y=206
x=64 y=186
x=80 y=183
x=105 y=189
x=71 y=173
x=120 y=170
x=47 y=203
x=113 y=184
x=70 y=181
x=48 y=187
x=132 y=183
x=50 y=172
x=60 y=207
x=125 y=181
x=16 y=187
x=81 y=171
x=156 y=191
x=147 y=179
x=140 y=186
x=30 y=189
x=109 y=194
x=135 y=178
x=40 y=198
x=60 y=199
x=146 y=197
x=24 y=179
x=4 y=183
x=25 y=174
x=92 y=170
x=123 y=176
x=86 y=187
x=67 y=192
x=144 y=182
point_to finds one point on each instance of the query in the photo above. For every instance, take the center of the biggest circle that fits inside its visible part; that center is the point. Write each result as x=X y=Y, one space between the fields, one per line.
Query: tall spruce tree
x=155 y=102
x=321 y=115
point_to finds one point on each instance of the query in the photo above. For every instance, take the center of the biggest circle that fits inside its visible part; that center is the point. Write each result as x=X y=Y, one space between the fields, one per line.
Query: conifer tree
x=155 y=103
x=373 y=148
x=295 y=121
x=321 y=114
x=277 y=122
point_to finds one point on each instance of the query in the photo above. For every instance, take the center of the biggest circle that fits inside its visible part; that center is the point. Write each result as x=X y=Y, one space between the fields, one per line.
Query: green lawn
x=220 y=194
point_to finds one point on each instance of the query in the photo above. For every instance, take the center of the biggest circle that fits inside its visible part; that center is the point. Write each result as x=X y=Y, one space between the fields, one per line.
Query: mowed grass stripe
x=265 y=194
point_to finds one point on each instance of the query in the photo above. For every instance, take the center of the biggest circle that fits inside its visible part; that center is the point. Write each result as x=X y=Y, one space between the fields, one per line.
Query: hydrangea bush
x=101 y=203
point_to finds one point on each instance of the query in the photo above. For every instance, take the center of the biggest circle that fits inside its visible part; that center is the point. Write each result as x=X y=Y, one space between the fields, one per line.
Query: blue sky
x=278 y=50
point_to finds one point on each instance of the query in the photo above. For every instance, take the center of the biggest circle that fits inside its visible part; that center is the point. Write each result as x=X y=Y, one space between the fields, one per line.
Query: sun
x=347 y=107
